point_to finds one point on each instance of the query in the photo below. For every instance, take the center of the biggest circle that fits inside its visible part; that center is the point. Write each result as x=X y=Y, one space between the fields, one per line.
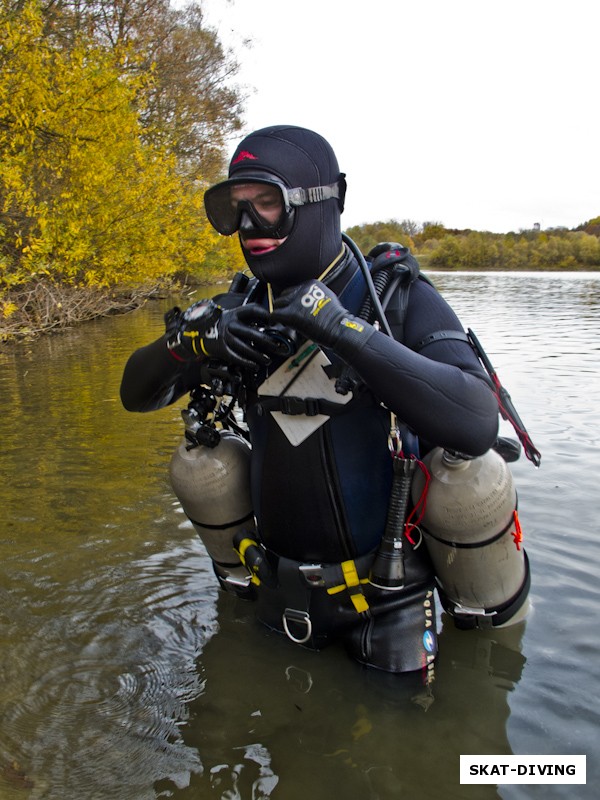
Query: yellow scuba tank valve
x=471 y=528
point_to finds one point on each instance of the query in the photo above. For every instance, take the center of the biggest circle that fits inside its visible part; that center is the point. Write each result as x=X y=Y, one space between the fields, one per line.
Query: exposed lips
x=259 y=247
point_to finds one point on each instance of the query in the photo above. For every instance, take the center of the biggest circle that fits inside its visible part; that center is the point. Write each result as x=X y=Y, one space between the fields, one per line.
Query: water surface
x=125 y=674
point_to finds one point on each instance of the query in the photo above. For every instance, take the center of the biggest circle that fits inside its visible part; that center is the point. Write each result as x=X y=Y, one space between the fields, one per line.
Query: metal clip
x=394 y=436
x=312 y=574
x=238 y=582
x=299 y=617
x=484 y=619
x=472 y=612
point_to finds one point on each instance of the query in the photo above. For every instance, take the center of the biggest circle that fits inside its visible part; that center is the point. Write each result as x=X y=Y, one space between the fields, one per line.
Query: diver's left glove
x=314 y=310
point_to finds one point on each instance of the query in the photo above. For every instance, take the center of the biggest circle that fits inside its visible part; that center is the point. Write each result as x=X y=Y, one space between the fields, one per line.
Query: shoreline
x=49 y=308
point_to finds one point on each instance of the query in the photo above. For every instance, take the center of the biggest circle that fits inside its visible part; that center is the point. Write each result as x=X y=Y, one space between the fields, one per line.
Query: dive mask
x=268 y=204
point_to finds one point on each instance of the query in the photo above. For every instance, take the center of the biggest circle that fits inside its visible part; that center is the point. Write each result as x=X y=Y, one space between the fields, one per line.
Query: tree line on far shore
x=442 y=248
x=115 y=116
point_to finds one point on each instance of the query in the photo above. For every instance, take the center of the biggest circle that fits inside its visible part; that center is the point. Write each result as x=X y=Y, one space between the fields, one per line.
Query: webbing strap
x=311 y=406
x=346 y=576
x=353 y=584
x=308 y=406
x=439 y=336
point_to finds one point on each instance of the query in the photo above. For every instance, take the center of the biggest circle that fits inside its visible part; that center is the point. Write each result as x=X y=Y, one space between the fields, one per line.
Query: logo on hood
x=243 y=155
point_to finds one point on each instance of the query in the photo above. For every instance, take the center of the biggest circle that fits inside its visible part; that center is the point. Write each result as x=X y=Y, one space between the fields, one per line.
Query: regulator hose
x=376 y=309
x=370 y=308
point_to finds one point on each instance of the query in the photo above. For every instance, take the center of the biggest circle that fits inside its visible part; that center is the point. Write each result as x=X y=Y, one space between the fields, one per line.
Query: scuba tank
x=471 y=528
x=210 y=475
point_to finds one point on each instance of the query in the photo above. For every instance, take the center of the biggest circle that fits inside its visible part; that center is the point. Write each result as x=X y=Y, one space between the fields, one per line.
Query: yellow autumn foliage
x=84 y=197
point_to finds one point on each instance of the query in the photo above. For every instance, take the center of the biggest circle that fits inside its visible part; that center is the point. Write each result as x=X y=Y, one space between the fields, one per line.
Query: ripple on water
x=98 y=695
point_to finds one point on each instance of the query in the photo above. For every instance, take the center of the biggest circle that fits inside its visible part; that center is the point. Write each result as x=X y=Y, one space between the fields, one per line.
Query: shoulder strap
x=394 y=270
x=395 y=304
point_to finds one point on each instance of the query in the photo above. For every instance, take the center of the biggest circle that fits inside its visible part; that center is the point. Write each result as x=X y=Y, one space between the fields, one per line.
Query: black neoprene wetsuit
x=325 y=499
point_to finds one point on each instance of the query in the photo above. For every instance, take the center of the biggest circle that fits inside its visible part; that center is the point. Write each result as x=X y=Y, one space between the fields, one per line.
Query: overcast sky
x=478 y=114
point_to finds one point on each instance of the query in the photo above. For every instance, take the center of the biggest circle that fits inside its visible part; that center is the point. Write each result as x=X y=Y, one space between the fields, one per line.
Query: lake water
x=125 y=674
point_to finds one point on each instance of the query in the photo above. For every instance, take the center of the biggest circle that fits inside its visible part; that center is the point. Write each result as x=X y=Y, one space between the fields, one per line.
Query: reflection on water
x=125 y=674
x=275 y=717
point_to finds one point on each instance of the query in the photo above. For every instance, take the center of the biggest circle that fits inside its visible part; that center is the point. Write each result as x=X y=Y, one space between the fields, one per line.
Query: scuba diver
x=335 y=366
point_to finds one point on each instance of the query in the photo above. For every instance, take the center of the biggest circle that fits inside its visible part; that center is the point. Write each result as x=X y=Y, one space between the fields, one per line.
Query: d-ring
x=300 y=617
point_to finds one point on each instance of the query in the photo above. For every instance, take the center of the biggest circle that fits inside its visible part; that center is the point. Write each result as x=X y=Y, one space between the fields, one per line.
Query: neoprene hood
x=299 y=158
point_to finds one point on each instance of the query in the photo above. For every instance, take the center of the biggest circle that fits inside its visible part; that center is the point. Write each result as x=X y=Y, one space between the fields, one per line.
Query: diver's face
x=267 y=202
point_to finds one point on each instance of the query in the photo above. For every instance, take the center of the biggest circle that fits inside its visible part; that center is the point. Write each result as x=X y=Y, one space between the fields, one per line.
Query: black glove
x=239 y=337
x=316 y=312
x=233 y=336
x=184 y=329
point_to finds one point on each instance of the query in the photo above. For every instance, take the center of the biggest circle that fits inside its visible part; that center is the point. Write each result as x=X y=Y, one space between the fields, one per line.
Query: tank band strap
x=472 y=545
x=467 y=619
x=233 y=524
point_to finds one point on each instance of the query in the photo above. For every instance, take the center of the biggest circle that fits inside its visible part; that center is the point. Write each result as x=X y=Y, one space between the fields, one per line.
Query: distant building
x=536 y=227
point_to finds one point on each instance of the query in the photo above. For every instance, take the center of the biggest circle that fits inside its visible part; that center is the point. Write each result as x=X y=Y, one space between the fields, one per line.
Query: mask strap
x=314 y=194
